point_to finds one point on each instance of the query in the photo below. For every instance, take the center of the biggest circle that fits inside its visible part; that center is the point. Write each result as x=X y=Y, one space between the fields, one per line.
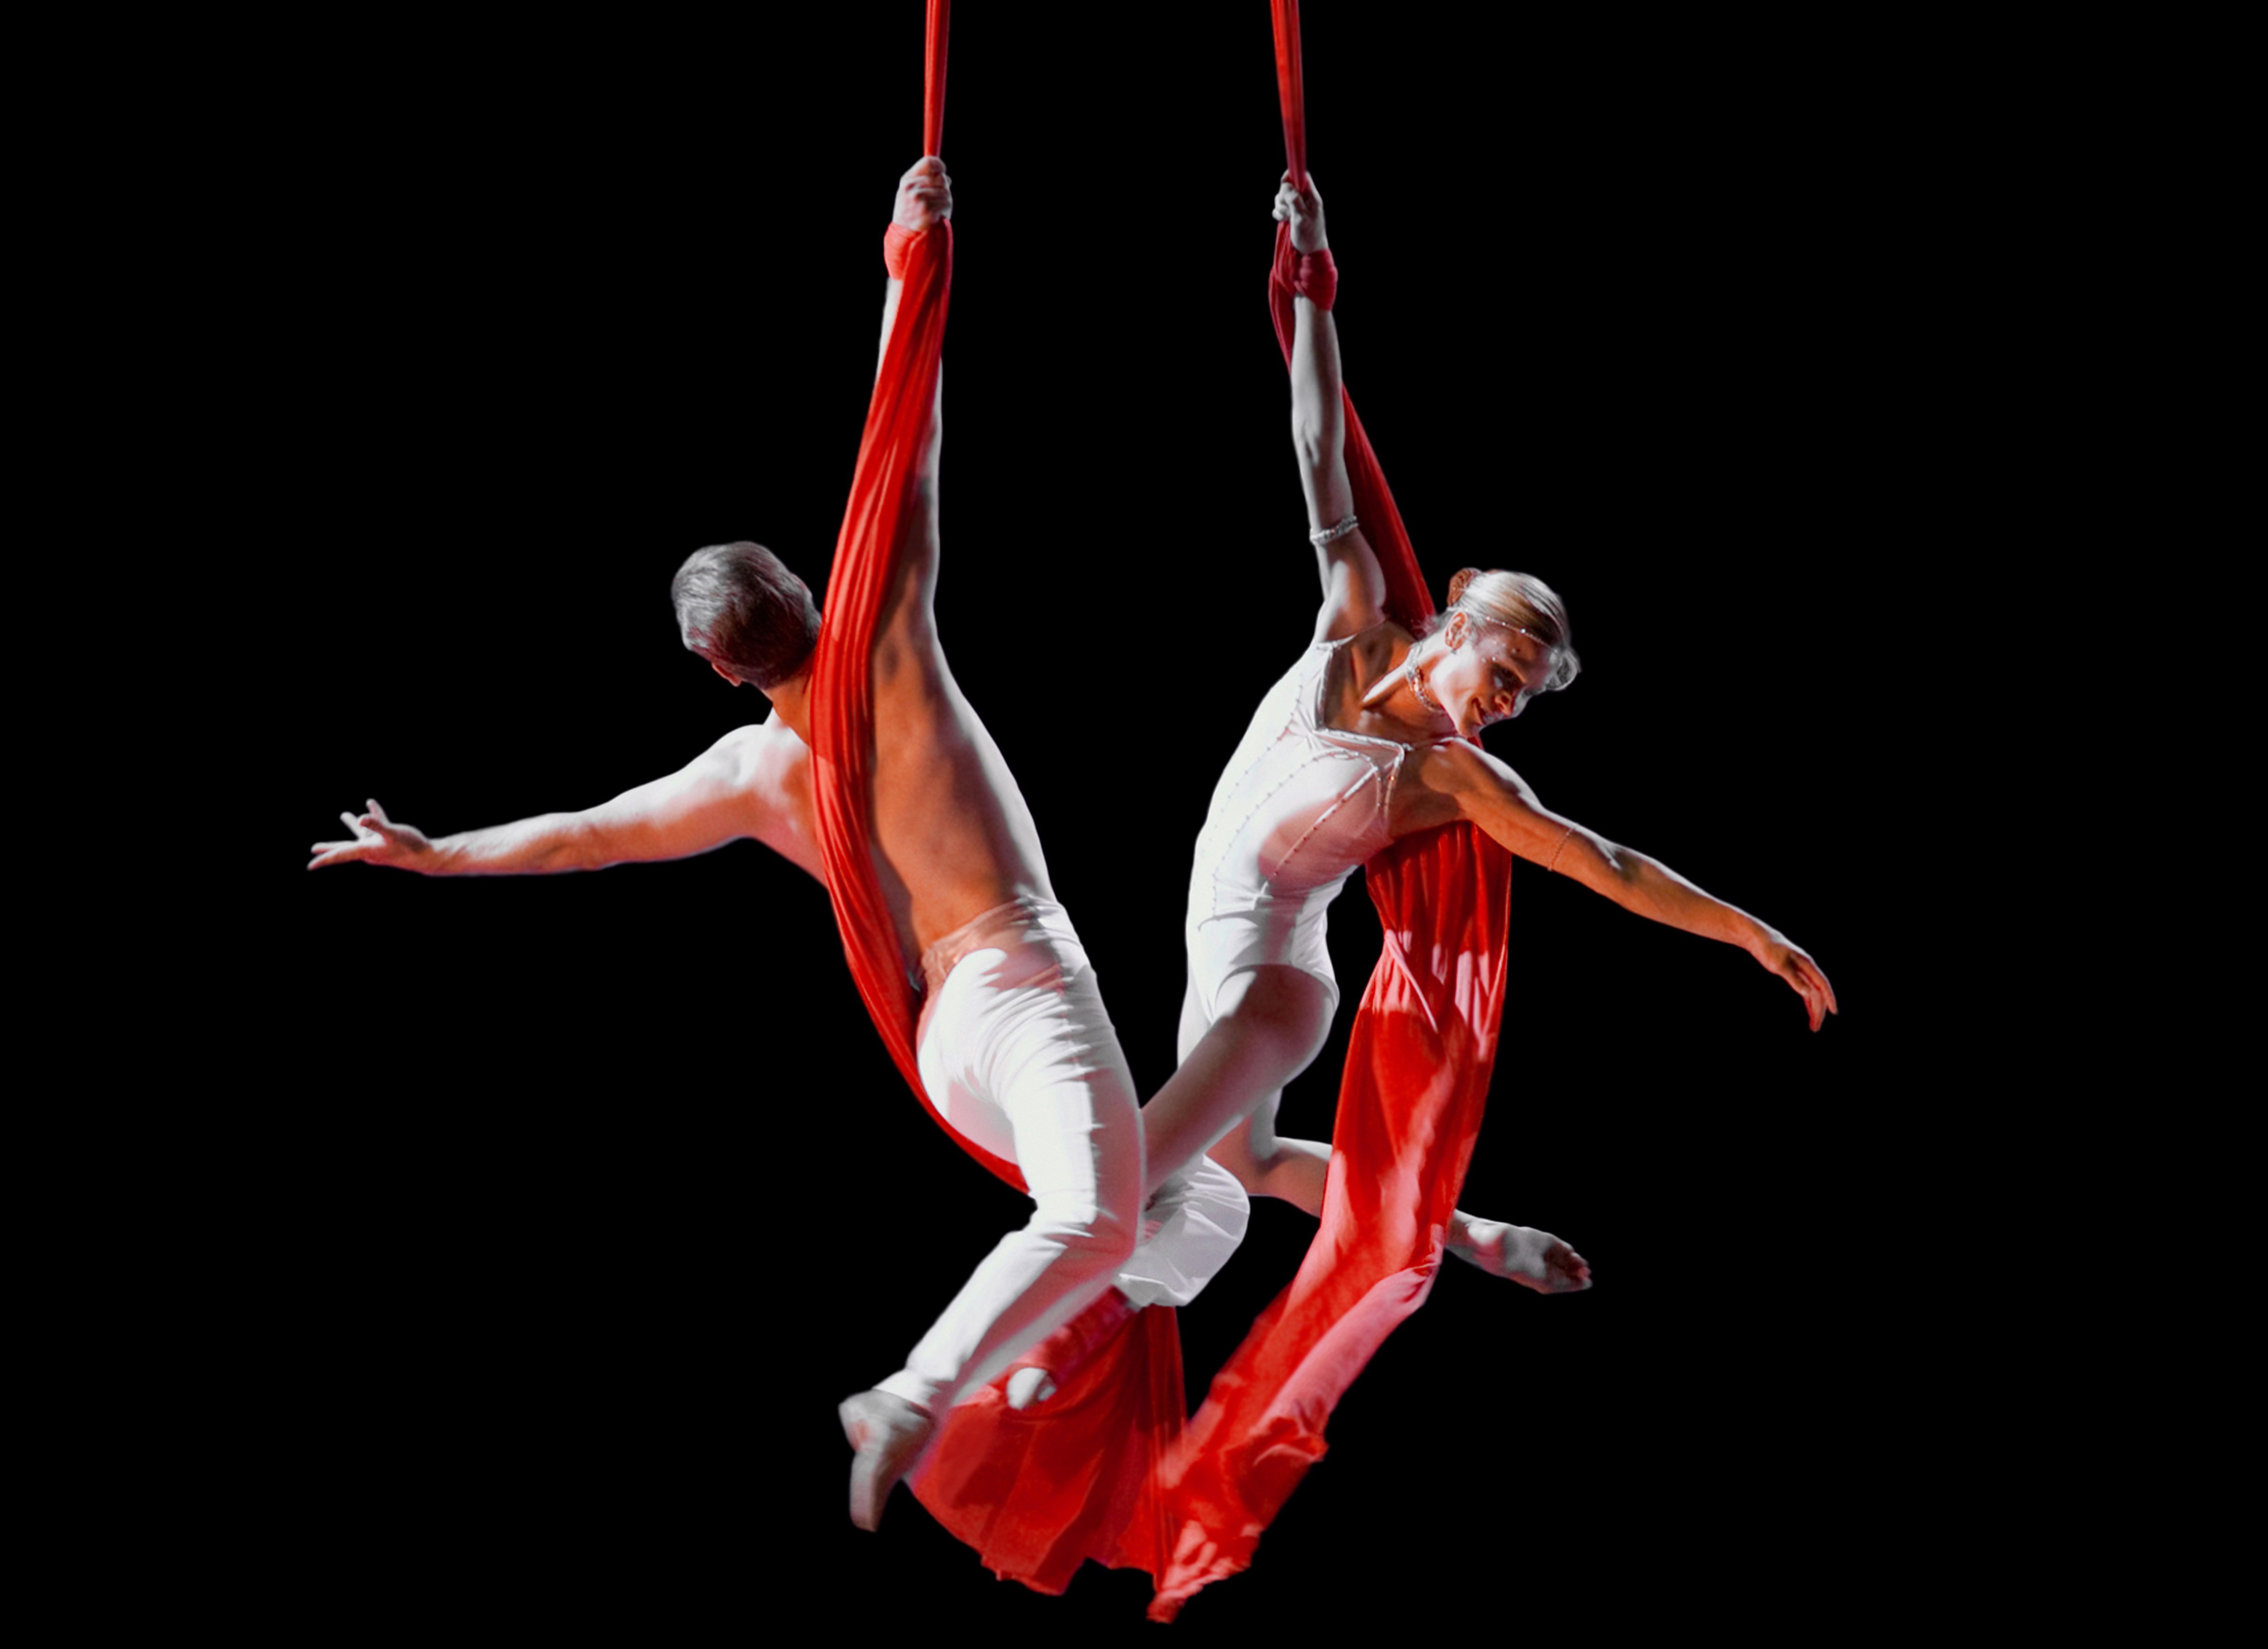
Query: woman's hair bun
x=1457 y=584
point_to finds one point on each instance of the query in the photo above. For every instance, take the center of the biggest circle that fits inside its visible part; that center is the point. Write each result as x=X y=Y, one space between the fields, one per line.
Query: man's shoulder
x=762 y=754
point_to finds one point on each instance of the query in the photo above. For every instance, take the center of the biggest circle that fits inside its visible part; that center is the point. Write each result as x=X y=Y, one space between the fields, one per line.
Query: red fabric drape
x=1424 y=1042
x=1034 y=1496
x=866 y=563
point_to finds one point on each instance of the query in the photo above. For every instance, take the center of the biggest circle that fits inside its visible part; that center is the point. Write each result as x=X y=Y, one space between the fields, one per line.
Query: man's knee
x=1101 y=1236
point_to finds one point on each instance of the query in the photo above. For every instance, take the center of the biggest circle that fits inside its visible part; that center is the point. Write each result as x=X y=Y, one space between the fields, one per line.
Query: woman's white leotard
x=1299 y=807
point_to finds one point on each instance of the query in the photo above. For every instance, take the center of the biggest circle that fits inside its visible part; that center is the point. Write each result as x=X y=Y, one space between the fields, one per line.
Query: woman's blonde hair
x=1523 y=602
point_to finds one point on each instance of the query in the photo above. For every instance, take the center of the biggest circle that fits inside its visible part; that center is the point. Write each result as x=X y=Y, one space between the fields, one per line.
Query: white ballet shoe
x=889 y=1434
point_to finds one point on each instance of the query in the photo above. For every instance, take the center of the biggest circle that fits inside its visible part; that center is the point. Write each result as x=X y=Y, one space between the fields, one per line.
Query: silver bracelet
x=1332 y=534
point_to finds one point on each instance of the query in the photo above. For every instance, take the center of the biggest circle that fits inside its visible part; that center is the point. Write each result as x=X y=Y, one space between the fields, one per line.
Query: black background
x=563 y=1210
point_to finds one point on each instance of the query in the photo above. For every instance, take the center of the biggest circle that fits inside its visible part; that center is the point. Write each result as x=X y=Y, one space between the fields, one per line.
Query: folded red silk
x=1034 y=1496
x=1422 y=1048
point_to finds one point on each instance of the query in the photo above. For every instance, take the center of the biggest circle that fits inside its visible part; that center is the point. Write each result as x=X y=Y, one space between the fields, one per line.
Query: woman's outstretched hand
x=1304 y=213
x=925 y=196
x=378 y=840
x=1794 y=963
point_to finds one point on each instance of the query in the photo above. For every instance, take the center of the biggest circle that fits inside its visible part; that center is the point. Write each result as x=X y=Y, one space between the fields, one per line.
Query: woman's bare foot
x=889 y=1434
x=1532 y=1258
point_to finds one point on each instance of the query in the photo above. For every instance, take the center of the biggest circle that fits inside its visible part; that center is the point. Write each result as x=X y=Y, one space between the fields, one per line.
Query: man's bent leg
x=1193 y=1223
x=1018 y=1055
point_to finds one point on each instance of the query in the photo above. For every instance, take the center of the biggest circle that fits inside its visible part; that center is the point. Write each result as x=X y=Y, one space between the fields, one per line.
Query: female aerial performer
x=1371 y=737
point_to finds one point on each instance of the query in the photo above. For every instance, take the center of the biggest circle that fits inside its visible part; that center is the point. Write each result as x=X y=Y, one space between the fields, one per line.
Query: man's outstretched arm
x=753 y=782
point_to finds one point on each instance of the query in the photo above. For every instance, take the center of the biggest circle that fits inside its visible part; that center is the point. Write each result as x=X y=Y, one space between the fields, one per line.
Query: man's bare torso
x=952 y=837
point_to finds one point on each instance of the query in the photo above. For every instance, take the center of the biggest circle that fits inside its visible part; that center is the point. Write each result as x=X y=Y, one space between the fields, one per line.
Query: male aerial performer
x=1016 y=1051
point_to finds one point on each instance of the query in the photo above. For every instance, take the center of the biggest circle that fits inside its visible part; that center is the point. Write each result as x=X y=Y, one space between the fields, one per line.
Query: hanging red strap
x=1289 y=94
x=1418 y=1061
x=934 y=81
x=867 y=555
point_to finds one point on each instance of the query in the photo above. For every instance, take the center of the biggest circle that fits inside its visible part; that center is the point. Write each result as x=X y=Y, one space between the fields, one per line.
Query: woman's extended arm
x=752 y=782
x=1497 y=800
x=1354 y=589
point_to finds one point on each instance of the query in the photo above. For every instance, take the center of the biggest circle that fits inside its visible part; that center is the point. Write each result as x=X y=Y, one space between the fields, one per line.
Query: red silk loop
x=1316 y=278
x=897 y=246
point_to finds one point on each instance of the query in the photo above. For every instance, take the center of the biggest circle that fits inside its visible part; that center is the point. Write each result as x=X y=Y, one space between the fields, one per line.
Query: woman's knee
x=1288 y=1007
x=1234 y=1152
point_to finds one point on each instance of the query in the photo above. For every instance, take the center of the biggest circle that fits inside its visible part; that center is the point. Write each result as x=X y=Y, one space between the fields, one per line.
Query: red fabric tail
x=1038 y=1492
x=1417 y=1079
x=1422 y=1048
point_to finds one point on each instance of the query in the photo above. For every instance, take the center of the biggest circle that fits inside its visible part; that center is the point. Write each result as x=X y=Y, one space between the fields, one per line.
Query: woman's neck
x=1398 y=694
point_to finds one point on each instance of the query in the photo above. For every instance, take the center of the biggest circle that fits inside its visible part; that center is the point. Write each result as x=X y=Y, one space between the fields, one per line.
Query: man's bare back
x=953 y=835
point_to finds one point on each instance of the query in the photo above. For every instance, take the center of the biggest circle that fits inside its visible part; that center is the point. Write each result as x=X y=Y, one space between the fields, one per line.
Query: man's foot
x=889 y=1434
x=1532 y=1258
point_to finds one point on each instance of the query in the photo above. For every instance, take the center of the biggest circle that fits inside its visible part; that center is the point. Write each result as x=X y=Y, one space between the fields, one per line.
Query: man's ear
x=726 y=673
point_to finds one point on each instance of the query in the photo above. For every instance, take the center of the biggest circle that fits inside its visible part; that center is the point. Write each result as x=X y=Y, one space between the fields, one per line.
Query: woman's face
x=1487 y=674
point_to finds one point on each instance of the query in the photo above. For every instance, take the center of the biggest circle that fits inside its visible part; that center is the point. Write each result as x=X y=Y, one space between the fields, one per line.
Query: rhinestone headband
x=1502 y=623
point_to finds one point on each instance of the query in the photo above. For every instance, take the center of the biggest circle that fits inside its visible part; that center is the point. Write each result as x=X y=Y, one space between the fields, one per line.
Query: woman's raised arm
x=1354 y=589
x=1497 y=800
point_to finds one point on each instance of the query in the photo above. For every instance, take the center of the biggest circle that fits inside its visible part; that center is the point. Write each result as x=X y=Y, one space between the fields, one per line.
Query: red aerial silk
x=1416 y=1078
x=865 y=562
x=1034 y=1499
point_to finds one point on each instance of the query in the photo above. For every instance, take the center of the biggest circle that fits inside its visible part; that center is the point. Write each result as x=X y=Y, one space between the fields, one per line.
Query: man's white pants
x=1017 y=1054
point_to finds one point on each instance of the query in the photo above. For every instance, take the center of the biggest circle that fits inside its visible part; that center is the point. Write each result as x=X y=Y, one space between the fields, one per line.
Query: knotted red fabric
x=1424 y=1043
x=1034 y=1496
